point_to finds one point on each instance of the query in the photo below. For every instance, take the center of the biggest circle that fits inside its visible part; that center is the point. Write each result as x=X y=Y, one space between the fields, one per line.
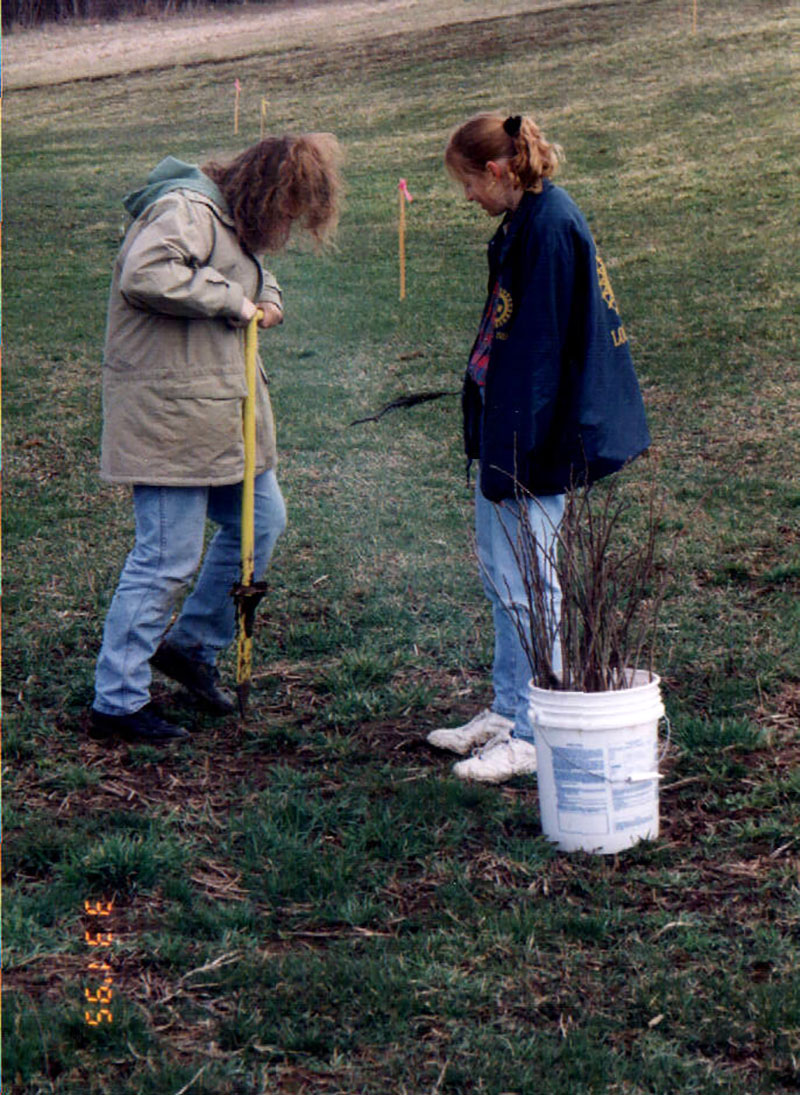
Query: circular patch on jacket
x=503 y=308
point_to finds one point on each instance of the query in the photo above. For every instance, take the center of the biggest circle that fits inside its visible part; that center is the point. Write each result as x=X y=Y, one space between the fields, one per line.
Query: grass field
x=311 y=903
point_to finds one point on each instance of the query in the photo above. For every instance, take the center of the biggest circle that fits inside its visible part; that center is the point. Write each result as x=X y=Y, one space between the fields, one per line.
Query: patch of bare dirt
x=58 y=54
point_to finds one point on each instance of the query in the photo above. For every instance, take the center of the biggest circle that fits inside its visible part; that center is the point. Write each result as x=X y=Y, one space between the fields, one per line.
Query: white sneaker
x=500 y=759
x=462 y=739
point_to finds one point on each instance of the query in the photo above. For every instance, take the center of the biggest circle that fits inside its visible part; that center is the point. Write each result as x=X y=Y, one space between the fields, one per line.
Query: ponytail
x=534 y=157
x=516 y=139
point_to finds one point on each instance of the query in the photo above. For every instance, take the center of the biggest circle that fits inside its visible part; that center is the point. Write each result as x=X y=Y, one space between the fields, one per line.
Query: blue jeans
x=170 y=530
x=503 y=585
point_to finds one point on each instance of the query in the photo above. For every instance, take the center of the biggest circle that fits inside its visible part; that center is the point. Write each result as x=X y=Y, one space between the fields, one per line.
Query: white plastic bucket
x=598 y=764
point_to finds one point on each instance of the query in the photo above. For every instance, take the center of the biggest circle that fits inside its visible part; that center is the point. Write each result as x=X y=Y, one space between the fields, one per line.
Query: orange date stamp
x=100 y=992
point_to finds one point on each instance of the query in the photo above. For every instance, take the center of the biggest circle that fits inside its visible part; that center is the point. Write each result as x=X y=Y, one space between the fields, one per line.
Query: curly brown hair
x=279 y=181
x=490 y=137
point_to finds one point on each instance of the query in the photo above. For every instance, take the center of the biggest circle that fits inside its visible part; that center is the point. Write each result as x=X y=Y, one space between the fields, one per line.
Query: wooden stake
x=403 y=197
x=402 y=242
x=263 y=118
x=236 y=108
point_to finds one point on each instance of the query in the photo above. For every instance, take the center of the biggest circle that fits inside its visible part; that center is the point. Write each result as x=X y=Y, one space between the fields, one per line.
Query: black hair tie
x=512 y=125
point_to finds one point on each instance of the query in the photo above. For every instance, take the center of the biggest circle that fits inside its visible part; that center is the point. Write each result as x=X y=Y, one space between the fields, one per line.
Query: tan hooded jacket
x=173 y=370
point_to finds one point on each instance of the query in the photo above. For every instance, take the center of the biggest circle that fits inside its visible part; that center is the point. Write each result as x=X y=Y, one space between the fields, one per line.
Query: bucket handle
x=634 y=777
x=641 y=777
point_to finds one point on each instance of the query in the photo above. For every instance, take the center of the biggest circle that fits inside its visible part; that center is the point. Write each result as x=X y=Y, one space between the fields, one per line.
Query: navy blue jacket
x=562 y=404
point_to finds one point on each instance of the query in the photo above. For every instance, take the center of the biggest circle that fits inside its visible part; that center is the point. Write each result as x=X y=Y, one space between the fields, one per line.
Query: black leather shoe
x=201 y=680
x=143 y=725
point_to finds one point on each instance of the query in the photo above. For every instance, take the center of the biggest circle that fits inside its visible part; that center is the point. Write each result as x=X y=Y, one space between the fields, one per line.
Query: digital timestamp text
x=100 y=992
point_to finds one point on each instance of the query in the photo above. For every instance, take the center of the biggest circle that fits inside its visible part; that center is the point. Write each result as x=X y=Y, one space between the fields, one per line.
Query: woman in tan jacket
x=185 y=283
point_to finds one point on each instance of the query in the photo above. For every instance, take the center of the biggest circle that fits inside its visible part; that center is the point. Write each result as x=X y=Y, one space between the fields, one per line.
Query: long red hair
x=279 y=181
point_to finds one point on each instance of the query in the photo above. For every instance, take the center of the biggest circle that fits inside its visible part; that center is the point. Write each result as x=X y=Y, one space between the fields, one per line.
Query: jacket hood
x=172 y=174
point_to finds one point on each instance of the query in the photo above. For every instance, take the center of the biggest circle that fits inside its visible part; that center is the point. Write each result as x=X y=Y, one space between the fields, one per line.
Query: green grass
x=310 y=902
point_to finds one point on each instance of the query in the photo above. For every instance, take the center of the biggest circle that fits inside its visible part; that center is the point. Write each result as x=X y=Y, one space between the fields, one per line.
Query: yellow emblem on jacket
x=619 y=335
x=503 y=308
x=605 y=285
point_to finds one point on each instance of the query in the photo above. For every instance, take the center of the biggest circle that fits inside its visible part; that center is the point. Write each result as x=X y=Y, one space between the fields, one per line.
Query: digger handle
x=249 y=430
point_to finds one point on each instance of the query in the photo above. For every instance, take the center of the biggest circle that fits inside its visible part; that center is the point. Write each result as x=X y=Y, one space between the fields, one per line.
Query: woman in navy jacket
x=550 y=400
